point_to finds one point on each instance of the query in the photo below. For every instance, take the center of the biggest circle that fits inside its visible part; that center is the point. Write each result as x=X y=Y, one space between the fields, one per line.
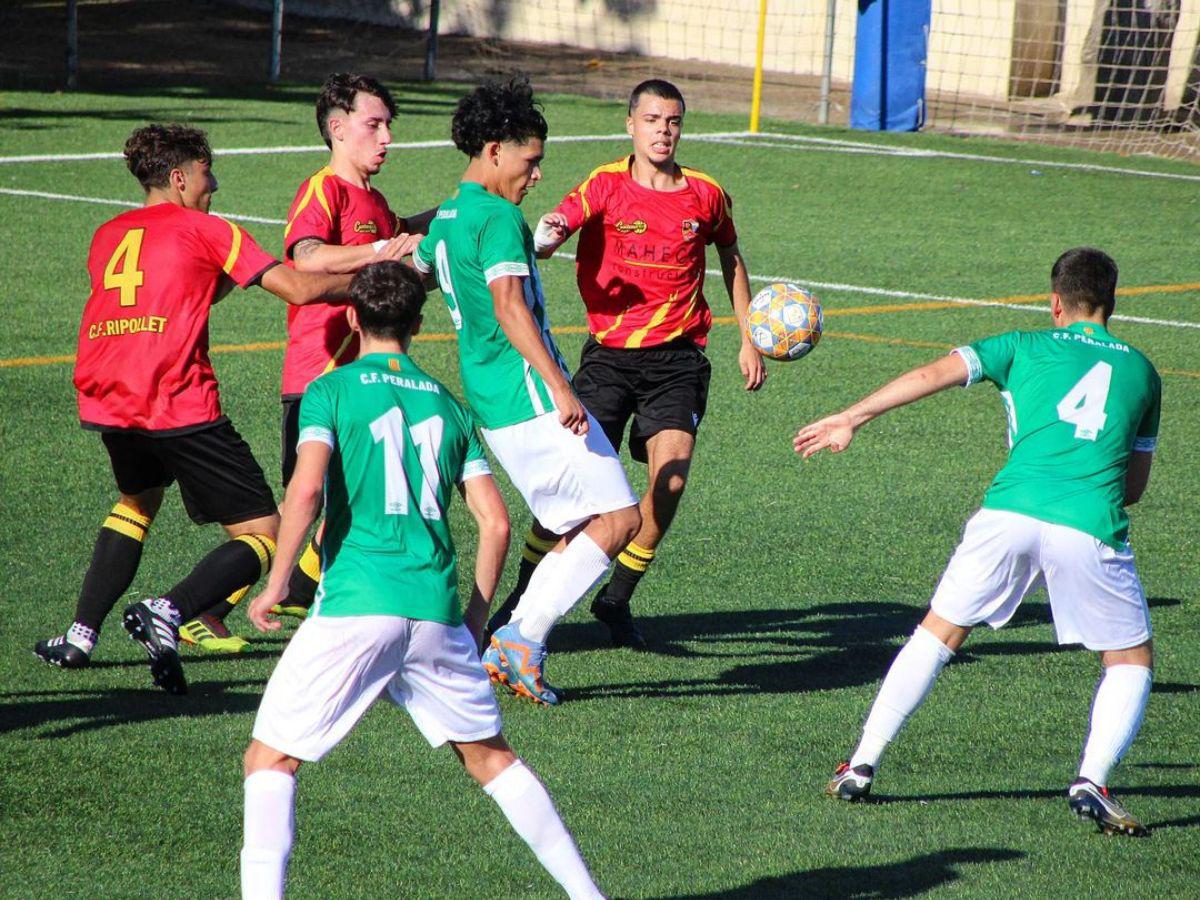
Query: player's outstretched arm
x=487 y=506
x=299 y=288
x=301 y=506
x=837 y=431
x=552 y=231
x=508 y=301
x=737 y=285
x=1137 y=478
x=314 y=255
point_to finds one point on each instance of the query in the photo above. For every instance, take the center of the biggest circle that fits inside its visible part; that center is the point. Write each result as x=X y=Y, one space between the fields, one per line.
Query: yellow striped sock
x=127 y=521
x=264 y=548
x=636 y=558
x=310 y=561
x=537 y=547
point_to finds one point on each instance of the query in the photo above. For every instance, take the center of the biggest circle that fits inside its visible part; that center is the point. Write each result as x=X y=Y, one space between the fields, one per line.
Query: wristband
x=379 y=245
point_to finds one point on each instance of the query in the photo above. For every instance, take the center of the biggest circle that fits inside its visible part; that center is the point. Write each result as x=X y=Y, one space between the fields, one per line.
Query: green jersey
x=476 y=238
x=400 y=444
x=1079 y=401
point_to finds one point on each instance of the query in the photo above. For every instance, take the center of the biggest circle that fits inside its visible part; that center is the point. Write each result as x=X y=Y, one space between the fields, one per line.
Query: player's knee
x=624 y=524
x=260 y=757
x=146 y=503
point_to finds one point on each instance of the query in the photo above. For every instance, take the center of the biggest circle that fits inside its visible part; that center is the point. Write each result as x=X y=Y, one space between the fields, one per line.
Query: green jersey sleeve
x=475 y=460
x=1146 y=440
x=990 y=359
x=423 y=256
x=502 y=246
x=316 y=416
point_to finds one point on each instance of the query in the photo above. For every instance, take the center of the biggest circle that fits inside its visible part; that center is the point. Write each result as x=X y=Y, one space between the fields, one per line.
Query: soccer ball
x=784 y=322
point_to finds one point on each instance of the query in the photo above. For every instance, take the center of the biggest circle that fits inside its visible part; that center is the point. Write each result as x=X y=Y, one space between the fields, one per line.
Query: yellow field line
x=438 y=337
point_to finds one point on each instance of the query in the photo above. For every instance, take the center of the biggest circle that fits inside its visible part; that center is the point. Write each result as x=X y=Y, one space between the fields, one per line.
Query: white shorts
x=336 y=666
x=1096 y=598
x=565 y=478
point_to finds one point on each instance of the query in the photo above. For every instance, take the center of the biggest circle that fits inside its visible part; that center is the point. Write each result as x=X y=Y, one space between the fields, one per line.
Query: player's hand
x=754 y=367
x=571 y=414
x=833 y=432
x=259 y=612
x=399 y=246
x=551 y=231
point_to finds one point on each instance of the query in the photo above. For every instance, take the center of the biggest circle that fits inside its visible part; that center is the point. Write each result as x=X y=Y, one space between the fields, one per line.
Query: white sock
x=533 y=600
x=82 y=637
x=532 y=815
x=268 y=825
x=1117 y=712
x=905 y=687
x=575 y=572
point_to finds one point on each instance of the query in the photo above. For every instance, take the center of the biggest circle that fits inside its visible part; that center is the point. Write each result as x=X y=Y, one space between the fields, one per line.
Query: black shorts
x=291 y=434
x=219 y=478
x=662 y=388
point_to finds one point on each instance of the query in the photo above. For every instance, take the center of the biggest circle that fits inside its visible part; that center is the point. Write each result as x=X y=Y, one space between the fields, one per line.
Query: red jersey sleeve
x=231 y=247
x=723 y=233
x=583 y=202
x=311 y=215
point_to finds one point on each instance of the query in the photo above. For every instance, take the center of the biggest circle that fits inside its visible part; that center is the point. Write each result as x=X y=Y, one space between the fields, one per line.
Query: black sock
x=631 y=565
x=234 y=565
x=115 y=558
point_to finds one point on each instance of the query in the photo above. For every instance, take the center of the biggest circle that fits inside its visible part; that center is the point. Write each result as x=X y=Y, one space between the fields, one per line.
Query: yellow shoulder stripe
x=235 y=247
x=316 y=188
x=701 y=176
x=617 y=166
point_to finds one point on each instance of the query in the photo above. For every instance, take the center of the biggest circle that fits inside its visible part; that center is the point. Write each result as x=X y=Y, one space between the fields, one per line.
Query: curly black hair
x=154 y=150
x=497 y=111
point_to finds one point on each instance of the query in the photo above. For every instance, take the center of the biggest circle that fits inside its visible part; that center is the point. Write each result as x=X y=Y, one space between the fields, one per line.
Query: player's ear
x=1056 y=306
x=629 y=125
x=491 y=152
x=352 y=318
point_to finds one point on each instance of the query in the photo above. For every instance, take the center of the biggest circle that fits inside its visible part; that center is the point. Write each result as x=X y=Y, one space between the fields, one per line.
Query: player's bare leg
x=268 y=820
x=1117 y=712
x=517 y=652
x=528 y=807
x=669 y=455
x=905 y=687
x=115 y=559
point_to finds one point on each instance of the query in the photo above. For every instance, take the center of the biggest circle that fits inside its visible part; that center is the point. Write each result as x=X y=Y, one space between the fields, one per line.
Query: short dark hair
x=497 y=111
x=154 y=150
x=387 y=296
x=656 y=87
x=340 y=91
x=1085 y=279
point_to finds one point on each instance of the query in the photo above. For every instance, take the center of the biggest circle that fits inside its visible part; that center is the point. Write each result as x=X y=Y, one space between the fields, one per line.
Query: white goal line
x=831 y=286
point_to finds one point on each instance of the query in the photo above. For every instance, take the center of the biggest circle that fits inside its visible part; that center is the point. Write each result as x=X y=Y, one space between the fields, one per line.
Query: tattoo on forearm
x=306 y=247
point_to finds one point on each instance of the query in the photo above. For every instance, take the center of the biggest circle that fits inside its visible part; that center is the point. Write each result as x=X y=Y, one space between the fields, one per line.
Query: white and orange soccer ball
x=784 y=322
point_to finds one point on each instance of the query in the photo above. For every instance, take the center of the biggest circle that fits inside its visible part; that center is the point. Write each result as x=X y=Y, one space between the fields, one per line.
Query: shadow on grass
x=892 y=880
x=1161 y=790
x=826 y=647
x=84 y=711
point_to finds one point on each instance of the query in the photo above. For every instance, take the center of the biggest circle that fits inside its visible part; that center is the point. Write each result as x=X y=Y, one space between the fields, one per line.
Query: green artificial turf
x=772 y=610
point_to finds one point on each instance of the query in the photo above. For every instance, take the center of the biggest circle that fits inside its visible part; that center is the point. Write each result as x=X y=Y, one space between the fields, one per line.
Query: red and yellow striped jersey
x=640 y=260
x=142 y=360
x=333 y=211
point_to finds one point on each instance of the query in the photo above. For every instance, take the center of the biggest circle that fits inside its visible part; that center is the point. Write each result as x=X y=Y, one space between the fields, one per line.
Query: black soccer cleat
x=1089 y=800
x=851 y=784
x=160 y=637
x=619 y=619
x=58 y=651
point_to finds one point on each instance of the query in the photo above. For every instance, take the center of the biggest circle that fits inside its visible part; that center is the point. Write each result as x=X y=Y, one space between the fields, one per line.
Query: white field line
x=838 y=145
x=321 y=148
x=767 y=139
x=832 y=286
